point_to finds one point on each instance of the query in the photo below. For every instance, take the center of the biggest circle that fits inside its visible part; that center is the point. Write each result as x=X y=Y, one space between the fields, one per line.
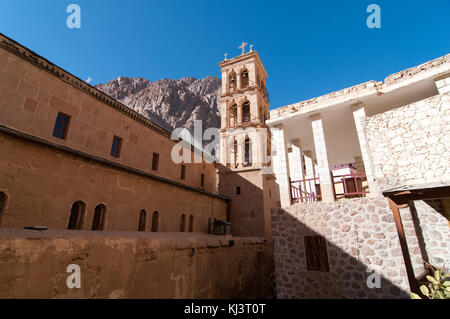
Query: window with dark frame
x=238 y=190
x=116 y=146
x=191 y=224
x=182 y=222
x=155 y=161
x=316 y=254
x=142 y=221
x=61 y=126
x=3 y=199
x=76 y=216
x=202 y=180
x=183 y=172
x=98 y=222
x=246 y=118
x=244 y=79
x=155 y=221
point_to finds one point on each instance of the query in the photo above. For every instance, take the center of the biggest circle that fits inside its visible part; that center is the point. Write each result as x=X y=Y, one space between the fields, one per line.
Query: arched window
x=183 y=223
x=246 y=112
x=235 y=153
x=244 y=79
x=77 y=213
x=233 y=81
x=155 y=221
x=248 y=152
x=233 y=116
x=3 y=199
x=191 y=224
x=142 y=221
x=98 y=222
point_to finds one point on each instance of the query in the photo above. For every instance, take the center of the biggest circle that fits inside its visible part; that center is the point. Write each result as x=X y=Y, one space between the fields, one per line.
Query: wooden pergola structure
x=400 y=197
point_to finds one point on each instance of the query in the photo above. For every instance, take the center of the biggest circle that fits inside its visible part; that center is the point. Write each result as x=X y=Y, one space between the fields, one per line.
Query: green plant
x=438 y=286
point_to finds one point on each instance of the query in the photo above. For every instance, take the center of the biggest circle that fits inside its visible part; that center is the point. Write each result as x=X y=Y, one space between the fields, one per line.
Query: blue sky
x=309 y=48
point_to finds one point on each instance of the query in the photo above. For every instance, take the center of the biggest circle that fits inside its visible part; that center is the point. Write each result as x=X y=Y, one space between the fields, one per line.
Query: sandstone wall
x=133 y=265
x=360 y=234
x=411 y=144
x=42 y=183
x=33 y=91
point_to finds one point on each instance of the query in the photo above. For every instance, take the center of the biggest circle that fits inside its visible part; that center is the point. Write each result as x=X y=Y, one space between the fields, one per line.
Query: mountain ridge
x=170 y=103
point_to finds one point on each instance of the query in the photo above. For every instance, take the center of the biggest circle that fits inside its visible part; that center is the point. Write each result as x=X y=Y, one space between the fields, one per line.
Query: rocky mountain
x=169 y=103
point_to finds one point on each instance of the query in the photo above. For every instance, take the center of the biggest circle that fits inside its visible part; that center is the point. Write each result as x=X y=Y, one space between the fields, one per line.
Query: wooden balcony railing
x=350 y=185
x=306 y=190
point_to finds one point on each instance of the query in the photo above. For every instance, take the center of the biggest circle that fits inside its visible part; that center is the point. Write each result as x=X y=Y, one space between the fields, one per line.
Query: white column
x=443 y=84
x=239 y=114
x=224 y=82
x=224 y=149
x=326 y=185
x=281 y=164
x=309 y=173
x=296 y=161
x=359 y=114
x=241 y=150
x=309 y=164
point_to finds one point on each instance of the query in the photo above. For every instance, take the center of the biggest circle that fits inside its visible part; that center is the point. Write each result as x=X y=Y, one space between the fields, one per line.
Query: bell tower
x=245 y=145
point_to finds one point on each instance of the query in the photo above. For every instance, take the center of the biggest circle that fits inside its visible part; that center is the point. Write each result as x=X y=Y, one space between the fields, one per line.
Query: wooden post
x=404 y=245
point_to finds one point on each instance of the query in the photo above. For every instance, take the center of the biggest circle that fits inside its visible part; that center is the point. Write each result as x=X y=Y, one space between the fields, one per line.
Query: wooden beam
x=414 y=287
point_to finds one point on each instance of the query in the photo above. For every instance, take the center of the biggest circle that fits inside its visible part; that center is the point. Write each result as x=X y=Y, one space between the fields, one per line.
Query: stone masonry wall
x=133 y=265
x=360 y=234
x=411 y=144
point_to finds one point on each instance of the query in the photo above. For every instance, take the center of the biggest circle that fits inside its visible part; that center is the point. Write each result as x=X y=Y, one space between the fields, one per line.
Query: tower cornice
x=242 y=58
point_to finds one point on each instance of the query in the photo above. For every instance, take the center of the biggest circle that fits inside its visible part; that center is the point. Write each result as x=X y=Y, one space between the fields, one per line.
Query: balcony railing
x=350 y=185
x=306 y=190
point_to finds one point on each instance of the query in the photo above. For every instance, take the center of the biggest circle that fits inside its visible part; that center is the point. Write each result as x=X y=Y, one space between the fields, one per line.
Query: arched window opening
x=191 y=224
x=244 y=79
x=246 y=112
x=77 y=216
x=142 y=221
x=248 y=152
x=3 y=199
x=233 y=82
x=235 y=153
x=98 y=222
x=155 y=222
x=233 y=116
x=182 y=223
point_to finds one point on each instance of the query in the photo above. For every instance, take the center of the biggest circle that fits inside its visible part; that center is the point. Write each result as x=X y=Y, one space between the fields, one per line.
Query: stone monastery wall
x=360 y=234
x=411 y=144
x=42 y=176
x=130 y=265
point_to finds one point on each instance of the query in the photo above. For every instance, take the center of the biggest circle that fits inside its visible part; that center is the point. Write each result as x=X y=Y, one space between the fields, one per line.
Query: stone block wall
x=133 y=265
x=360 y=234
x=411 y=144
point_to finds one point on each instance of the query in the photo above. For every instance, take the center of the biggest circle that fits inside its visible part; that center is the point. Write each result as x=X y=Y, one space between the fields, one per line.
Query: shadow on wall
x=431 y=224
x=252 y=196
x=309 y=266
